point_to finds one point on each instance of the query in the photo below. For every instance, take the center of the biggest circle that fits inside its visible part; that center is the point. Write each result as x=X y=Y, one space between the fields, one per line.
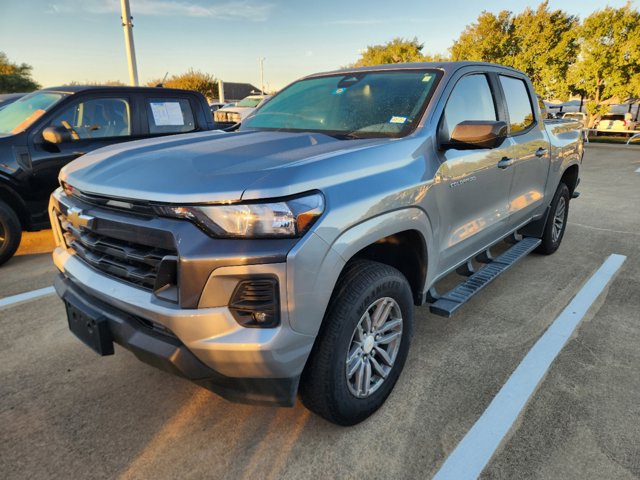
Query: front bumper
x=168 y=353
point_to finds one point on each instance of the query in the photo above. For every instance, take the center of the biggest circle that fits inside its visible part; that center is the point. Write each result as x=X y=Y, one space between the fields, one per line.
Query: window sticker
x=167 y=113
x=398 y=120
x=427 y=77
x=339 y=91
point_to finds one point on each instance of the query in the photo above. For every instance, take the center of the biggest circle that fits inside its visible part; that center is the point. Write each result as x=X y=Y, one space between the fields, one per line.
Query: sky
x=83 y=40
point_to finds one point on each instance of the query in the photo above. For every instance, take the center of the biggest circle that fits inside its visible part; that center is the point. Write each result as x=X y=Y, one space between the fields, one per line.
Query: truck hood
x=202 y=167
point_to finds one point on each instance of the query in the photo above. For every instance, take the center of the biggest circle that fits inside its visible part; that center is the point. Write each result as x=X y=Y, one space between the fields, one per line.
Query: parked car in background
x=216 y=106
x=228 y=116
x=579 y=116
x=43 y=131
x=8 y=98
x=615 y=122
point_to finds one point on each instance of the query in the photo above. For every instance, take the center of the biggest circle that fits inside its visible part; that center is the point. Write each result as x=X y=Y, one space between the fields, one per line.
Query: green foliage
x=490 y=39
x=595 y=110
x=540 y=42
x=609 y=58
x=398 y=50
x=191 y=80
x=545 y=46
x=15 y=78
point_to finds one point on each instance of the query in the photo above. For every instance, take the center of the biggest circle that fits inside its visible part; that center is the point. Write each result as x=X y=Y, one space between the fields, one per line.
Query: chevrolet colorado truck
x=44 y=130
x=286 y=258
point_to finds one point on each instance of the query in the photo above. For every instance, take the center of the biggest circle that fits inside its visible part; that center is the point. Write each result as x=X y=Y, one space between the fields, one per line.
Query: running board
x=449 y=302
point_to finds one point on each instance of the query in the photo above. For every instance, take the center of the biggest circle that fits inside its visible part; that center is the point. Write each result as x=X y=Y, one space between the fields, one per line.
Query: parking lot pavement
x=65 y=412
x=31 y=268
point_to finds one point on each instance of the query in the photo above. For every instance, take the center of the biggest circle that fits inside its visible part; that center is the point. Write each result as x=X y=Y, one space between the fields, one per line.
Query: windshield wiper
x=347 y=136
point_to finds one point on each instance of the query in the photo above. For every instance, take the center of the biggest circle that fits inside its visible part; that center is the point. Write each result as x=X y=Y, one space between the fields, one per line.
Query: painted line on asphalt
x=638 y=170
x=23 y=297
x=473 y=453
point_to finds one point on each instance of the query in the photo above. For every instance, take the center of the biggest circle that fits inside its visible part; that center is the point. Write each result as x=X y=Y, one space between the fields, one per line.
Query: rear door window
x=170 y=115
x=96 y=118
x=518 y=103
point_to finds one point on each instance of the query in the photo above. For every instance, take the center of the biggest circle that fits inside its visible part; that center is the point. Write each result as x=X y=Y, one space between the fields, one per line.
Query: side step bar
x=449 y=302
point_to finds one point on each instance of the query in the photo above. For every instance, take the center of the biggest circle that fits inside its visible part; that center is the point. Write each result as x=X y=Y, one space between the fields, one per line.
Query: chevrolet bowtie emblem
x=78 y=219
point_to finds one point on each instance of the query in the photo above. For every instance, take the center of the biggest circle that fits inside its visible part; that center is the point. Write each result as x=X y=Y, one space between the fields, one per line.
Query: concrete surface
x=67 y=413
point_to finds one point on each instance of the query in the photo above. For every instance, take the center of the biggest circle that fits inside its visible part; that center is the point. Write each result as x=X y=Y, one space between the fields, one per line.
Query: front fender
x=314 y=266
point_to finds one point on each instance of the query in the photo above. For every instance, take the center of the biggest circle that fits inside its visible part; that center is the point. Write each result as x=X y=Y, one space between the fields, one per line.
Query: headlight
x=286 y=218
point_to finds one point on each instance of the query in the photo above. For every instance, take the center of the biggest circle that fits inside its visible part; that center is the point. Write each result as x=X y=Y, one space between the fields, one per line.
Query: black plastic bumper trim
x=167 y=353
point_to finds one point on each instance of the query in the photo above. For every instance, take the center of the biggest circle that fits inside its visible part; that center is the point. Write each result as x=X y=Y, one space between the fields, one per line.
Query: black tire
x=324 y=387
x=10 y=232
x=551 y=239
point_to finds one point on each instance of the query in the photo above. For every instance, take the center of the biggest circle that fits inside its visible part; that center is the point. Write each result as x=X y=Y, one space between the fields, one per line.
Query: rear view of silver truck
x=286 y=258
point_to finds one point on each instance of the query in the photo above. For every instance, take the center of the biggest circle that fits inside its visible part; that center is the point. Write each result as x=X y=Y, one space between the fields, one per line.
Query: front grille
x=132 y=262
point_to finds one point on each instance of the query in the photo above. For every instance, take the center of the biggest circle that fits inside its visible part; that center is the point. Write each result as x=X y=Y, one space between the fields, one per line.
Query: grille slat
x=132 y=262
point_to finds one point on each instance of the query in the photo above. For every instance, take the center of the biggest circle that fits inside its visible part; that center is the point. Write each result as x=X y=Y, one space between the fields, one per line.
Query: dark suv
x=45 y=130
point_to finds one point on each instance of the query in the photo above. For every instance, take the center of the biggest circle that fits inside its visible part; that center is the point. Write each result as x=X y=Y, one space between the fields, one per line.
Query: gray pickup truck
x=287 y=257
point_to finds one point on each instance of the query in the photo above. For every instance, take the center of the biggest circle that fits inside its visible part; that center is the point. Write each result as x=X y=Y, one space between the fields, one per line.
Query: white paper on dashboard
x=167 y=113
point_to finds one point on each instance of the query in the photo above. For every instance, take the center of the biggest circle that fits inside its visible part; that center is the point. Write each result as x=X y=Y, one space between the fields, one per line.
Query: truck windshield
x=355 y=105
x=19 y=115
x=249 y=102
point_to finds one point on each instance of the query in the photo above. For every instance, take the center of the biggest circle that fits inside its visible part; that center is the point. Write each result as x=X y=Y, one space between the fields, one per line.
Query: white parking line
x=23 y=297
x=477 y=447
x=638 y=170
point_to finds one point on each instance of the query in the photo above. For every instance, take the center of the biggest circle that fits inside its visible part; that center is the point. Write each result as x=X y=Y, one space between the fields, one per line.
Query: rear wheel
x=556 y=221
x=363 y=345
x=10 y=232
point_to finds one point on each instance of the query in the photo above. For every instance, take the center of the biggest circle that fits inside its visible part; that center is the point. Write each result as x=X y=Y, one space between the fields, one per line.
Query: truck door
x=528 y=148
x=92 y=122
x=472 y=190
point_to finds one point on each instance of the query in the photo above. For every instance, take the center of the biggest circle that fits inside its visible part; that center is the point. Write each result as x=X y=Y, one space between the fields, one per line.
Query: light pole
x=127 y=25
x=262 y=59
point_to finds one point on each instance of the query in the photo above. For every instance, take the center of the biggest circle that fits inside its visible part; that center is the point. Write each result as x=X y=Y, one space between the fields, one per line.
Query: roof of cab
x=447 y=67
x=72 y=89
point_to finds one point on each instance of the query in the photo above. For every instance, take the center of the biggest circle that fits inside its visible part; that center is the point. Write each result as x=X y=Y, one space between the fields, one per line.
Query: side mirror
x=476 y=134
x=56 y=135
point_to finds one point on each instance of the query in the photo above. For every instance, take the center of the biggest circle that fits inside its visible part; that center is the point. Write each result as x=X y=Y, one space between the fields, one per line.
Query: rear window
x=249 y=102
x=518 y=103
x=170 y=115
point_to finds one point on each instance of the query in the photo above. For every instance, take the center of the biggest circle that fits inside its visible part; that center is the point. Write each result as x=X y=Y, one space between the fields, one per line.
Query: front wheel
x=362 y=347
x=10 y=232
x=556 y=221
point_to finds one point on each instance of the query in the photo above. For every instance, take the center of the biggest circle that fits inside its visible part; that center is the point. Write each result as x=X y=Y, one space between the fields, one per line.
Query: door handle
x=541 y=152
x=506 y=162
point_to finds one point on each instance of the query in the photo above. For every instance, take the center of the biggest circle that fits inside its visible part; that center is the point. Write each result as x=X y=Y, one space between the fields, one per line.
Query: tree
x=609 y=58
x=545 y=45
x=540 y=42
x=490 y=39
x=398 y=50
x=15 y=78
x=201 y=82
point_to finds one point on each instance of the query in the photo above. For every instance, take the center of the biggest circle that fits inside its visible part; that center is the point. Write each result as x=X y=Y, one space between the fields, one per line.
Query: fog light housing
x=255 y=303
